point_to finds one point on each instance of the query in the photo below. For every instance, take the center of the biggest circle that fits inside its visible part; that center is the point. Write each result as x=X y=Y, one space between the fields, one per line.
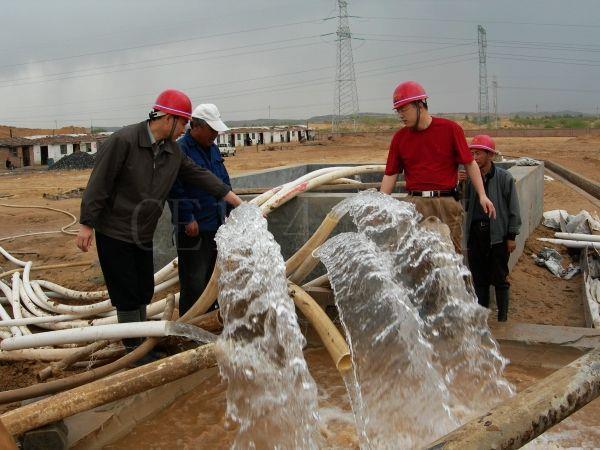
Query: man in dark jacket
x=134 y=171
x=196 y=213
x=491 y=241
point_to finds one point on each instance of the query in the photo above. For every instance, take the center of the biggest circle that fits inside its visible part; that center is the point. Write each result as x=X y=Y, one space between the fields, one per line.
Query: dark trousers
x=488 y=264
x=197 y=257
x=128 y=271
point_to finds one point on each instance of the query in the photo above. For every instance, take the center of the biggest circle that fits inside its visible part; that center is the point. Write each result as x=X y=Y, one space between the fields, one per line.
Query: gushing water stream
x=270 y=393
x=423 y=356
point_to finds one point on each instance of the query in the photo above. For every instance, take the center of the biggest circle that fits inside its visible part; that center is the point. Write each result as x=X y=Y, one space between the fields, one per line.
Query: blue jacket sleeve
x=181 y=207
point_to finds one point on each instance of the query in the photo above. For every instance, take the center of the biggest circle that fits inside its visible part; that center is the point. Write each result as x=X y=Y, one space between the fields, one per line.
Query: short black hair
x=195 y=122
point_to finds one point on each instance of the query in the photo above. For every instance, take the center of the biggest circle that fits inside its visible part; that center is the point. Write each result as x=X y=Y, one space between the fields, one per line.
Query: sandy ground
x=537 y=296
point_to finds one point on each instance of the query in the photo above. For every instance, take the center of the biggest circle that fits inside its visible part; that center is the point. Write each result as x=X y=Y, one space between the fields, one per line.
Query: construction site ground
x=537 y=296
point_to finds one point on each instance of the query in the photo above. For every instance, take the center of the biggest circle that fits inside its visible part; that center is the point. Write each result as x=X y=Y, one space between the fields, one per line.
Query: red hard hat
x=484 y=142
x=408 y=92
x=174 y=102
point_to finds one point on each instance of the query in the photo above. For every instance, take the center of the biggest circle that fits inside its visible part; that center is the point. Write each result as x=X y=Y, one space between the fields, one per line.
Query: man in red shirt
x=429 y=150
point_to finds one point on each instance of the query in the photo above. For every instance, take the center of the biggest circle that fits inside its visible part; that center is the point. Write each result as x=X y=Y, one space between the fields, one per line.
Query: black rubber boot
x=502 y=303
x=483 y=295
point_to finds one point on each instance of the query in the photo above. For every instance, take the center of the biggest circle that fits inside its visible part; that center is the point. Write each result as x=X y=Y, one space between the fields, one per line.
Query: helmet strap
x=418 y=106
x=172 y=128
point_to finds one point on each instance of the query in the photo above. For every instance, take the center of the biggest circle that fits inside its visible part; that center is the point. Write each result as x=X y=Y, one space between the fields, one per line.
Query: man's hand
x=233 y=199
x=191 y=229
x=487 y=206
x=511 y=245
x=462 y=175
x=84 y=238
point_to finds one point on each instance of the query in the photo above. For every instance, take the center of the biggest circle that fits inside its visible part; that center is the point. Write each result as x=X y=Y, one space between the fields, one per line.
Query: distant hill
x=6 y=131
x=262 y=122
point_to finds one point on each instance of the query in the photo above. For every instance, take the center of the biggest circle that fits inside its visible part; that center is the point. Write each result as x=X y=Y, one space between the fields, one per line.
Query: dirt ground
x=537 y=296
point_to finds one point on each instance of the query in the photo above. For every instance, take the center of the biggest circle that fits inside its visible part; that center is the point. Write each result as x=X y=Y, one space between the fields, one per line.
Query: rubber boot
x=483 y=295
x=127 y=317
x=502 y=303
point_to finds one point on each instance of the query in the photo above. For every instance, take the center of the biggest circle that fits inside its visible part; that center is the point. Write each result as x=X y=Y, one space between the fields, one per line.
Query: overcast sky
x=76 y=61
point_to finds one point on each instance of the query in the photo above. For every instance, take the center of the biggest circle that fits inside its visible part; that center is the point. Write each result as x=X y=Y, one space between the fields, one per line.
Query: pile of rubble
x=77 y=160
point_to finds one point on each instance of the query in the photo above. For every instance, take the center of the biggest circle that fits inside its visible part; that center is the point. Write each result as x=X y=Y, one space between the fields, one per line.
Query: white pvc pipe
x=88 y=310
x=11 y=258
x=572 y=244
x=38 y=320
x=166 y=272
x=3 y=314
x=262 y=198
x=578 y=237
x=101 y=332
x=16 y=302
x=72 y=294
x=166 y=284
x=290 y=192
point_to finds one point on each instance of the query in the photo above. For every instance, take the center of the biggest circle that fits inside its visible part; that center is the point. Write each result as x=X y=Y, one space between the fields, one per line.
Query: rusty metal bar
x=532 y=411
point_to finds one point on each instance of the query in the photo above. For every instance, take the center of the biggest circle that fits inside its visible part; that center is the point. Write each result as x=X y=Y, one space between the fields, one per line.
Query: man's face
x=204 y=135
x=408 y=114
x=483 y=158
x=181 y=122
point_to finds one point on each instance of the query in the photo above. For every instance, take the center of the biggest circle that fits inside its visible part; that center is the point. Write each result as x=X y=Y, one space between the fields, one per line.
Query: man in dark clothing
x=196 y=213
x=132 y=176
x=491 y=241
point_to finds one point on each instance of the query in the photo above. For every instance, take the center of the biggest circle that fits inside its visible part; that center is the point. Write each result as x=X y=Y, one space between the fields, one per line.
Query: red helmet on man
x=408 y=92
x=174 y=102
x=484 y=142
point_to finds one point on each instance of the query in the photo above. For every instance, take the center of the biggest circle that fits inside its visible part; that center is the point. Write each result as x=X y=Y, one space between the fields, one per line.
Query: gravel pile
x=77 y=160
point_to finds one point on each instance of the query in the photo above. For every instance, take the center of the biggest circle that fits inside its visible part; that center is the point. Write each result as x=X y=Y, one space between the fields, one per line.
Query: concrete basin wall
x=296 y=221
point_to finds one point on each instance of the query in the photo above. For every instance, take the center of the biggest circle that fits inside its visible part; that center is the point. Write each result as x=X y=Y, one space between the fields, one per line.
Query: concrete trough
x=296 y=221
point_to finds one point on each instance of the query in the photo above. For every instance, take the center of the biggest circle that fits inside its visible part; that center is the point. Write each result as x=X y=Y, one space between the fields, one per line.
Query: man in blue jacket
x=196 y=214
x=491 y=240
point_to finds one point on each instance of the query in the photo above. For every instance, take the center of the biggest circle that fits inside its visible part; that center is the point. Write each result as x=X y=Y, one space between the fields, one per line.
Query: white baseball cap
x=211 y=115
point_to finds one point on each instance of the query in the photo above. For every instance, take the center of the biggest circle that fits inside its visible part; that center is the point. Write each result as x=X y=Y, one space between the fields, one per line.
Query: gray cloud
x=105 y=61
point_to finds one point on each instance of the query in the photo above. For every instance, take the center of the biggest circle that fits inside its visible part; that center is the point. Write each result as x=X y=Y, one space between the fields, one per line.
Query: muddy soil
x=536 y=297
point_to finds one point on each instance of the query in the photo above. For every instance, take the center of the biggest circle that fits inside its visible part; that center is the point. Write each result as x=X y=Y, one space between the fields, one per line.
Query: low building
x=42 y=150
x=18 y=150
x=246 y=136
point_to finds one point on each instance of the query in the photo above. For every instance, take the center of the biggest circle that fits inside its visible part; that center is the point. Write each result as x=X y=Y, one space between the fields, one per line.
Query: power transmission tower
x=345 y=100
x=495 y=100
x=484 y=106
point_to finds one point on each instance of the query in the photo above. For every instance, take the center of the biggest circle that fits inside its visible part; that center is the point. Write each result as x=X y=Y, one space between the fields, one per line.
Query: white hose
x=297 y=186
x=108 y=332
x=3 y=314
x=72 y=294
x=166 y=272
x=578 y=237
x=88 y=310
x=572 y=244
x=262 y=198
x=16 y=302
x=11 y=258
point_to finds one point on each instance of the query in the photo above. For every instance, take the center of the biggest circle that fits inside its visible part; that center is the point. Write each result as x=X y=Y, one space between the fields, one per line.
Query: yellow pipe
x=332 y=338
x=327 y=226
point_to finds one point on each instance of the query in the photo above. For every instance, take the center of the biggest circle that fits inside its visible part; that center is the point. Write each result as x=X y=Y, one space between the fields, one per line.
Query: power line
x=44 y=80
x=292 y=73
x=160 y=43
x=477 y=21
x=413 y=67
